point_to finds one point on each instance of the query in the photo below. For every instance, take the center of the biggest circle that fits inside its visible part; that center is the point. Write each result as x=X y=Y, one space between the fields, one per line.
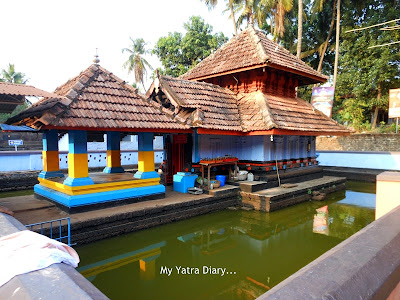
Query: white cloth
x=27 y=251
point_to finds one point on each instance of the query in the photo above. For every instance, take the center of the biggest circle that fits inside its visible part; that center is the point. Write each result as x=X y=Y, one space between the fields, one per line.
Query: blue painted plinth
x=95 y=198
x=146 y=175
x=78 y=181
x=50 y=174
x=183 y=182
x=113 y=170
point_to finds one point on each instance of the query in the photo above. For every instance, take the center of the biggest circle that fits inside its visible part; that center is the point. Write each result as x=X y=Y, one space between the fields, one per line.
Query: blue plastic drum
x=221 y=178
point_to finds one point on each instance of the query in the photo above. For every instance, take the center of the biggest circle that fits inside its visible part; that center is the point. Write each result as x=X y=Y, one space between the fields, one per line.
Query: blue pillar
x=146 y=167
x=78 y=168
x=51 y=167
x=196 y=155
x=113 y=153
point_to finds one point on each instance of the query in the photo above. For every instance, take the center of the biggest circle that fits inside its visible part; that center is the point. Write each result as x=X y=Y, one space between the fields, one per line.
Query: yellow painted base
x=113 y=158
x=96 y=188
x=78 y=165
x=147 y=269
x=50 y=161
x=146 y=161
x=387 y=193
x=119 y=263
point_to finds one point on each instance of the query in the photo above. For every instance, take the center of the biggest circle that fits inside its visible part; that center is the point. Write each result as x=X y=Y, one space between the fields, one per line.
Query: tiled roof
x=12 y=95
x=263 y=112
x=209 y=106
x=251 y=48
x=201 y=104
x=22 y=90
x=96 y=99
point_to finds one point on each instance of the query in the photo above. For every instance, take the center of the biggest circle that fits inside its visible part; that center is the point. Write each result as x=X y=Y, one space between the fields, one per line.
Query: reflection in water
x=225 y=255
x=321 y=225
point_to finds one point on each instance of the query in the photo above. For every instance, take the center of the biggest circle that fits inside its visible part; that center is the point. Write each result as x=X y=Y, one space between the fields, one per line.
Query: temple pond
x=237 y=254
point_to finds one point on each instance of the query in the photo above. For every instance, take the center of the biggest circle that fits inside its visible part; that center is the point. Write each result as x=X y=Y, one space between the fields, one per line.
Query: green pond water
x=256 y=250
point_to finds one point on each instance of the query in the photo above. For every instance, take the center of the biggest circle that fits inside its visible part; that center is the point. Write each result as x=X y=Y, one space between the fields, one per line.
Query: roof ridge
x=225 y=45
x=281 y=48
x=260 y=50
x=267 y=116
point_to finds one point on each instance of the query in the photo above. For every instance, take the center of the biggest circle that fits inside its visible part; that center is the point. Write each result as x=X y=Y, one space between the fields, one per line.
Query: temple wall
x=256 y=148
x=265 y=80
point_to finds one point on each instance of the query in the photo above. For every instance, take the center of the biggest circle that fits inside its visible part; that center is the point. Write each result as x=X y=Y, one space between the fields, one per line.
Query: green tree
x=230 y=7
x=366 y=74
x=178 y=52
x=136 y=62
x=10 y=75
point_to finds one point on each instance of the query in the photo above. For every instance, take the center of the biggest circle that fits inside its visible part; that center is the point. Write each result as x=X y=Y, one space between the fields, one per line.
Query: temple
x=240 y=101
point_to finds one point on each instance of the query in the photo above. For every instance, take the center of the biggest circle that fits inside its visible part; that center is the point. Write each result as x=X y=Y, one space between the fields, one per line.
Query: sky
x=53 y=41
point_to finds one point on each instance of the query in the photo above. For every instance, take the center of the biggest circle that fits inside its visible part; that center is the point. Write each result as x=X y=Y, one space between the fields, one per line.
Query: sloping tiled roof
x=251 y=48
x=202 y=104
x=209 y=106
x=96 y=99
x=263 y=112
x=22 y=90
x=12 y=95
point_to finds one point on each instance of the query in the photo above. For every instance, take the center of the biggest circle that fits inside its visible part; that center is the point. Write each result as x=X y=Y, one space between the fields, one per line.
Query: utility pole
x=337 y=43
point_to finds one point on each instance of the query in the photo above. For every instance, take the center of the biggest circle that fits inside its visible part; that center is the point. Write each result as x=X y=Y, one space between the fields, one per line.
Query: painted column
x=148 y=267
x=78 y=170
x=113 y=153
x=146 y=167
x=51 y=167
x=196 y=153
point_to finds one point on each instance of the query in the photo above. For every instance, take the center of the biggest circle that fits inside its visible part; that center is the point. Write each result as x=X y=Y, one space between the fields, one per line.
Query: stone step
x=252 y=186
x=279 y=197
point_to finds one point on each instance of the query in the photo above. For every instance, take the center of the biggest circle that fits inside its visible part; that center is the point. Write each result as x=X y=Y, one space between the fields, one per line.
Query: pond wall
x=365 y=266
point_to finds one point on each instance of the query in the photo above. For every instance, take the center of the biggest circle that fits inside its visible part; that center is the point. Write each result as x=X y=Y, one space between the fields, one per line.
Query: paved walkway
x=28 y=209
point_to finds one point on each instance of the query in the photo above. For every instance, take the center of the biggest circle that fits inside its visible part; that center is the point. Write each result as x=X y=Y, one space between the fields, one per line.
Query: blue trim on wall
x=78 y=181
x=87 y=199
x=113 y=142
x=145 y=141
x=50 y=140
x=77 y=140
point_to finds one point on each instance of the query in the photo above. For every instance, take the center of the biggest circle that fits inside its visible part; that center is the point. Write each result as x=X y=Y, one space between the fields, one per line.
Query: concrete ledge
x=58 y=281
x=357 y=174
x=365 y=266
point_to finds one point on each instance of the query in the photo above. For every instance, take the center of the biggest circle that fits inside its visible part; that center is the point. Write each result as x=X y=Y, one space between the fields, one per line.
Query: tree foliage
x=136 y=62
x=179 y=52
x=366 y=74
x=10 y=75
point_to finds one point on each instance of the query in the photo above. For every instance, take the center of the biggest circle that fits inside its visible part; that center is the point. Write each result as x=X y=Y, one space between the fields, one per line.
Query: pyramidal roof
x=251 y=49
x=96 y=99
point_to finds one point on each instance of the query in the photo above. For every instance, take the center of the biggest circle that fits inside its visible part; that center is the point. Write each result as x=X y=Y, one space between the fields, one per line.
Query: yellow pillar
x=387 y=192
x=50 y=155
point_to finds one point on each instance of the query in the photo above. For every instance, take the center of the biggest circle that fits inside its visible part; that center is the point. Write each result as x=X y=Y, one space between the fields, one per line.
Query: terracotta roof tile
x=216 y=103
x=250 y=48
x=99 y=100
x=283 y=113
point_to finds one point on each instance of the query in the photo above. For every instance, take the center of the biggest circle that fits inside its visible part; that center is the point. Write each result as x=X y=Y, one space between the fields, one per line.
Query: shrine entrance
x=176 y=148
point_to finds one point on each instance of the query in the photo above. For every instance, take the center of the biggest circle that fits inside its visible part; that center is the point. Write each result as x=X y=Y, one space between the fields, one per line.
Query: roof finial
x=96 y=59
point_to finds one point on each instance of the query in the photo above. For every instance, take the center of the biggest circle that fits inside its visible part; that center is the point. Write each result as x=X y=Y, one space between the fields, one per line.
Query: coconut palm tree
x=11 y=76
x=299 y=28
x=136 y=62
x=230 y=6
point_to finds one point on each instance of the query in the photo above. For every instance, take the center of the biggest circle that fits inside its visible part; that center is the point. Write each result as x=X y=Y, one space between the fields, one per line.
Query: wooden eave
x=314 y=79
